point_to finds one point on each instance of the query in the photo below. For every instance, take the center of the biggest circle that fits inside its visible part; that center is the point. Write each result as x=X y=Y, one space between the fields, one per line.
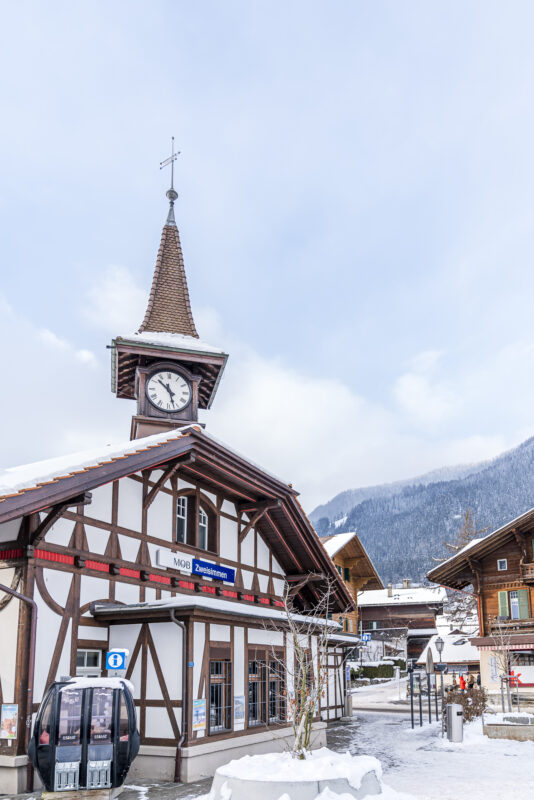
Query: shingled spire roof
x=169 y=308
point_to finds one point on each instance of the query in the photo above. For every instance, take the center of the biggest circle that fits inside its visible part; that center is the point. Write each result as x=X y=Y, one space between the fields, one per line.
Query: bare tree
x=307 y=670
x=501 y=639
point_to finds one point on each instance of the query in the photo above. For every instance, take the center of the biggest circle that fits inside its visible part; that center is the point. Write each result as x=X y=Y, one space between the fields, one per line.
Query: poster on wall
x=239 y=708
x=494 y=669
x=8 y=721
x=199 y=715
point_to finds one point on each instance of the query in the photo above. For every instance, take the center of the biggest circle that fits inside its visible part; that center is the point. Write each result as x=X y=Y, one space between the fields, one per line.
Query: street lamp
x=440 y=644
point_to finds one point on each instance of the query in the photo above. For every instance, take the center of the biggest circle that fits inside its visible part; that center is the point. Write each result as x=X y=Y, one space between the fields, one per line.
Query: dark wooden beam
x=167 y=474
x=55 y=513
x=250 y=507
x=261 y=509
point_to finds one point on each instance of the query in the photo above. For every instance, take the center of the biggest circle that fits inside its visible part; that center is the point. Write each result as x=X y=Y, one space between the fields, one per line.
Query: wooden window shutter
x=503 y=604
x=522 y=595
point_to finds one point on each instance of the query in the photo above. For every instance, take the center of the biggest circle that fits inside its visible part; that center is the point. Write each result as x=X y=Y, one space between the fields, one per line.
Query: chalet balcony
x=506 y=626
x=527 y=573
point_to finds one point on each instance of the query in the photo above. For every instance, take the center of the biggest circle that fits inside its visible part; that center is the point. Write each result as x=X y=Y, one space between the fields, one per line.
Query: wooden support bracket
x=168 y=473
x=55 y=513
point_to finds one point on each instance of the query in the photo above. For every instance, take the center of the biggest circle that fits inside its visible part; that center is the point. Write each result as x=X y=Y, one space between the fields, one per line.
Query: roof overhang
x=129 y=353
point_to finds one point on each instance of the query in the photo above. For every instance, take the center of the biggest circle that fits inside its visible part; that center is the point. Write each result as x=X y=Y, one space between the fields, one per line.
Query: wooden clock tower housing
x=167 y=340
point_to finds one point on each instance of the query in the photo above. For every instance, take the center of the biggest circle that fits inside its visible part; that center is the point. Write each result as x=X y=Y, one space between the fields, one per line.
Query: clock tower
x=164 y=366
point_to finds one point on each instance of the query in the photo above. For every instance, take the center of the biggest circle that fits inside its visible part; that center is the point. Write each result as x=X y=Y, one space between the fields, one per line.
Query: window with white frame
x=88 y=663
x=514 y=605
x=502 y=564
x=202 y=529
x=181 y=519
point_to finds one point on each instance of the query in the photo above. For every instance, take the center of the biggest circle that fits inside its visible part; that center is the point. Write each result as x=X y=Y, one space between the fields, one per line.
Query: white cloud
x=115 y=302
x=56 y=342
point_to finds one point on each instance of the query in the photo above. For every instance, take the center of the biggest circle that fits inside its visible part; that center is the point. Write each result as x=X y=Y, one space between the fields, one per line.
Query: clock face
x=168 y=391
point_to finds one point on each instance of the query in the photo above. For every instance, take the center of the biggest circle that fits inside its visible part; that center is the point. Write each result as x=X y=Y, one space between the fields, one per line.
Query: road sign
x=366 y=637
x=116 y=659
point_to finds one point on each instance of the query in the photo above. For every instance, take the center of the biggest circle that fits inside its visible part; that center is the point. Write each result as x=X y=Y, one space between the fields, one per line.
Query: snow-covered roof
x=336 y=543
x=401 y=596
x=414 y=632
x=215 y=604
x=26 y=476
x=174 y=341
x=457 y=649
x=467 y=547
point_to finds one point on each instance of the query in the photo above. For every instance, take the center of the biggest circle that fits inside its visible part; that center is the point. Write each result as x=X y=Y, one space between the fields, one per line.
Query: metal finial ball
x=172 y=194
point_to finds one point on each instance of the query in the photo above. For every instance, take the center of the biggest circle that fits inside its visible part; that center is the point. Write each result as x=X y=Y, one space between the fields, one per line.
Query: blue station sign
x=215 y=571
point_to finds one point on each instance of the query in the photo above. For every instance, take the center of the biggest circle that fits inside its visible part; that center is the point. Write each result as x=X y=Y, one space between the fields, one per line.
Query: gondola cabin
x=85 y=735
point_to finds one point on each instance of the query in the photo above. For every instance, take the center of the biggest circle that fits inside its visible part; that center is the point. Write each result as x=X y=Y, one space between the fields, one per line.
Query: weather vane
x=171 y=194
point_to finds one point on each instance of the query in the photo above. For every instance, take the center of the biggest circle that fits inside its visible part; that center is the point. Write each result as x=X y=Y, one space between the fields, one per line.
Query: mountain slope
x=403 y=525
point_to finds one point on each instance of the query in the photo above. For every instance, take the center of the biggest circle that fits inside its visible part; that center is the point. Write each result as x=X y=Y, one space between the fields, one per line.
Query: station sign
x=185 y=563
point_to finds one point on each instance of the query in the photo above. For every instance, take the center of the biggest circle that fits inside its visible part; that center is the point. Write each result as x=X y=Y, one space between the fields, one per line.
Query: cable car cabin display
x=85 y=735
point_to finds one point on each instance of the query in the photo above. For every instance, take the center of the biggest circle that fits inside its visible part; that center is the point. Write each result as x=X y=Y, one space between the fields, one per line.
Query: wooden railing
x=527 y=572
x=511 y=625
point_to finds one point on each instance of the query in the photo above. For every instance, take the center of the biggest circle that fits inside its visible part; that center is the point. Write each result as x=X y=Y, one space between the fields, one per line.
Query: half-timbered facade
x=499 y=570
x=172 y=546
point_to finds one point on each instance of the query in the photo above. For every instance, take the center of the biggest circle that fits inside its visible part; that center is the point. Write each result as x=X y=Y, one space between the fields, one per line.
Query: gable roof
x=349 y=546
x=283 y=524
x=457 y=649
x=414 y=595
x=456 y=571
x=169 y=307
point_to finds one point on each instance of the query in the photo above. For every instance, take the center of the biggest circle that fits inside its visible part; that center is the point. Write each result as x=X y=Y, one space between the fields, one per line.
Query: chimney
x=390 y=590
x=406 y=583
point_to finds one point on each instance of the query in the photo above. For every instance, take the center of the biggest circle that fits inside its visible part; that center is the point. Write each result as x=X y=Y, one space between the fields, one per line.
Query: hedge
x=383 y=671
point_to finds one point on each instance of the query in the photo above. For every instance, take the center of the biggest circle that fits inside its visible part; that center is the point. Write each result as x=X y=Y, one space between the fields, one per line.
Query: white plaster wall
x=290 y=660
x=184 y=485
x=150 y=595
x=90 y=632
x=97 y=539
x=264 y=582
x=47 y=635
x=228 y=508
x=247 y=549
x=210 y=497
x=9 y=619
x=93 y=589
x=260 y=636
x=58 y=585
x=247 y=578
x=9 y=530
x=228 y=538
x=60 y=532
x=263 y=553
x=126 y=636
x=159 y=516
x=126 y=592
x=239 y=669
x=199 y=636
x=277 y=568
x=168 y=642
x=130 y=504
x=100 y=505
x=279 y=586
x=158 y=724
x=129 y=547
x=219 y=633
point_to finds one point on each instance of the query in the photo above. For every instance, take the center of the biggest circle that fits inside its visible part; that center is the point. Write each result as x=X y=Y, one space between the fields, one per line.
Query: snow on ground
x=423 y=765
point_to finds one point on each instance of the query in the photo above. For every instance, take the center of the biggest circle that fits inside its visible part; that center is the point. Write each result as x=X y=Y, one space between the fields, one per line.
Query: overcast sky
x=356 y=211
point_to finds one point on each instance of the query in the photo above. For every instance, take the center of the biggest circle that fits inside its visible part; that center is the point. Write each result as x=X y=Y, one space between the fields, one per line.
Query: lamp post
x=440 y=644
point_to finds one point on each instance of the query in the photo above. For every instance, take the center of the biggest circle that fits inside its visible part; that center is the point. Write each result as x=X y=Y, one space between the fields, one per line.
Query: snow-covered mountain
x=403 y=524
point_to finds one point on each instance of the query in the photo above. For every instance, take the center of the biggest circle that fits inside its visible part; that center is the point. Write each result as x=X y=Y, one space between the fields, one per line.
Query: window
x=276 y=700
x=124 y=722
x=70 y=713
x=202 y=529
x=220 y=696
x=514 y=604
x=181 y=520
x=502 y=564
x=346 y=573
x=339 y=569
x=351 y=626
x=101 y=716
x=373 y=625
x=88 y=663
x=256 y=692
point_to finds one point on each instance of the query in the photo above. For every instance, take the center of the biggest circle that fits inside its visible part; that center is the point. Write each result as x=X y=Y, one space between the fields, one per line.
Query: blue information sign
x=116 y=659
x=215 y=571
x=366 y=637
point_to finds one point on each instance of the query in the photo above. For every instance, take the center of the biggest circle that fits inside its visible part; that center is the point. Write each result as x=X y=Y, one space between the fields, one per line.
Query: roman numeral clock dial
x=168 y=391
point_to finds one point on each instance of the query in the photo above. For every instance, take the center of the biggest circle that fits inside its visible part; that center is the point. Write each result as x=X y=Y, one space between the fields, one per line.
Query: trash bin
x=455 y=722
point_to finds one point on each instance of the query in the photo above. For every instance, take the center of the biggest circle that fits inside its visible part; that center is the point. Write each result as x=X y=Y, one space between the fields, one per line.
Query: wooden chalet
x=355 y=567
x=402 y=613
x=499 y=570
x=171 y=545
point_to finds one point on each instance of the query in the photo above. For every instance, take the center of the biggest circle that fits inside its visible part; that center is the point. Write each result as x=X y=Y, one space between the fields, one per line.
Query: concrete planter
x=515 y=725
x=276 y=775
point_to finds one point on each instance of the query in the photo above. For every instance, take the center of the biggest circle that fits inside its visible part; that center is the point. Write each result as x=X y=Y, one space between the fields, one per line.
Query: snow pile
x=100 y=683
x=509 y=718
x=319 y=765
